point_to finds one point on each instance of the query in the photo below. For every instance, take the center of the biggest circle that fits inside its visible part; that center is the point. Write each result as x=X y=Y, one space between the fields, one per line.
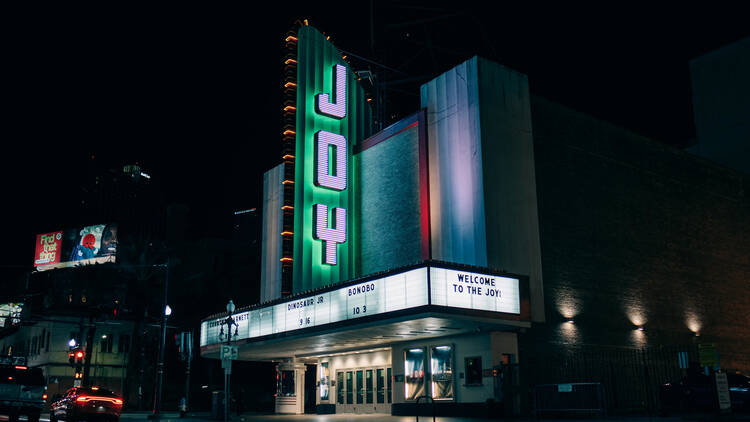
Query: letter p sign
x=330 y=236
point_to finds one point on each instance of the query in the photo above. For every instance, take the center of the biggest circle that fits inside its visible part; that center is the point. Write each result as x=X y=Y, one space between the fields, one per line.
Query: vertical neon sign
x=331 y=116
x=330 y=168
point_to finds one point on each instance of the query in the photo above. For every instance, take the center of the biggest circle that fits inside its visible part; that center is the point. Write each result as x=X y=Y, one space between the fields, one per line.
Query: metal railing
x=417 y=406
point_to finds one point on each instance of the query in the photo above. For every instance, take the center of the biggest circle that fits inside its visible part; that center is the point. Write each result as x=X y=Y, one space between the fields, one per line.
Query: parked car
x=697 y=393
x=86 y=403
x=22 y=391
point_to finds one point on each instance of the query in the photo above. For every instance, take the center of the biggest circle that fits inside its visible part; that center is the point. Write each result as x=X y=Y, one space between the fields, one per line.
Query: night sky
x=194 y=94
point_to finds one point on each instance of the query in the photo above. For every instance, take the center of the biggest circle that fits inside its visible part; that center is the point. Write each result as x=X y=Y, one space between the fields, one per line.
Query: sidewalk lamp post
x=167 y=311
x=226 y=362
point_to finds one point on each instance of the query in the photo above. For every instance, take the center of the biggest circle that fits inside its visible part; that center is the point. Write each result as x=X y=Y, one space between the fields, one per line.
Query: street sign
x=707 y=354
x=229 y=352
x=722 y=390
x=564 y=388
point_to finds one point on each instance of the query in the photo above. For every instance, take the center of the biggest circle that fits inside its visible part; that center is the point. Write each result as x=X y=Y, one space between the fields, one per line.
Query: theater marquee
x=427 y=285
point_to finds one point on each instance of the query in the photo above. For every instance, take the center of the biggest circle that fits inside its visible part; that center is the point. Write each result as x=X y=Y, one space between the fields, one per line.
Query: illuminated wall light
x=286 y=259
x=287 y=207
x=289 y=132
x=330 y=236
x=323 y=140
x=288 y=157
x=287 y=233
x=288 y=61
x=290 y=108
x=335 y=107
x=291 y=38
x=287 y=182
x=290 y=85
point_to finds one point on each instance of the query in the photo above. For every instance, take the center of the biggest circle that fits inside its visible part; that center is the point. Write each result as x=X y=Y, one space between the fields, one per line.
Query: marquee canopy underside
x=357 y=336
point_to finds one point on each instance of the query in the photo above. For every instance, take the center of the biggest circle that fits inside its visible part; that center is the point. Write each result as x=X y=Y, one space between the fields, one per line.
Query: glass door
x=381 y=401
x=360 y=393
x=369 y=393
x=340 y=389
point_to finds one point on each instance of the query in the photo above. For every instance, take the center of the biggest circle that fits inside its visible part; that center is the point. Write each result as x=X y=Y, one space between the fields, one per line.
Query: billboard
x=75 y=247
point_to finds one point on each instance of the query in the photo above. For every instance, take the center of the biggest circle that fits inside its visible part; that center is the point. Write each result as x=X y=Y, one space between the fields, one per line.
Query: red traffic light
x=79 y=355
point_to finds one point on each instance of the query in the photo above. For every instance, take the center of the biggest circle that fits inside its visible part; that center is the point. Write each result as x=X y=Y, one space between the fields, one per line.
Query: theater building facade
x=407 y=265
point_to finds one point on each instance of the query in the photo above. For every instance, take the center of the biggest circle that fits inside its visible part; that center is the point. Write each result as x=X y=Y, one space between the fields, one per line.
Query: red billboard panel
x=75 y=247
x=48 y=248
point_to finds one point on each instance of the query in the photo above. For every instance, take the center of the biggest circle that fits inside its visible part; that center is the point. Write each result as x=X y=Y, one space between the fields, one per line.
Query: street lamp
x=160 y=367
x=72 y=343
x=227 y=365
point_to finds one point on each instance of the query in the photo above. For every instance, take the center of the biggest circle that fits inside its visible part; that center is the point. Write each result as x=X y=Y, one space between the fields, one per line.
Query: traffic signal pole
x=88 y=349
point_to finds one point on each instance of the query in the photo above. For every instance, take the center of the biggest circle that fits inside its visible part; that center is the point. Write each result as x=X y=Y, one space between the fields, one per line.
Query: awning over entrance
x=429 y=300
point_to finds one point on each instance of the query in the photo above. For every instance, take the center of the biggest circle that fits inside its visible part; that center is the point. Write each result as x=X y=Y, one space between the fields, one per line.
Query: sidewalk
x=255 y=417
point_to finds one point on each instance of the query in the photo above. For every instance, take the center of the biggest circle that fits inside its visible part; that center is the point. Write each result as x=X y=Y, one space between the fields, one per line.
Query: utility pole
x=160 y=366
x=88 y=349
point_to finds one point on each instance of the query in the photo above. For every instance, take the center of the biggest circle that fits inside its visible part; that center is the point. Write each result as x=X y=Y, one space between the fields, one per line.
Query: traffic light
x=75 y=358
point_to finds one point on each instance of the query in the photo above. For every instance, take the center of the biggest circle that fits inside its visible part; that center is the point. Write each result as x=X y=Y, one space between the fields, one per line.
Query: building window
x=414 y=373
x=286 y=384
x=324 y=376
x=473 y=370
x=441 y=371
x=123 y=343
x=106 y=344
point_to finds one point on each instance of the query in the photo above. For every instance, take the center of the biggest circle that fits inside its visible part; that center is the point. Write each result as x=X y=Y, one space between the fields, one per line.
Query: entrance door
x=340 y=391
x=369 y=399
x=363 y=390
x=359 y=406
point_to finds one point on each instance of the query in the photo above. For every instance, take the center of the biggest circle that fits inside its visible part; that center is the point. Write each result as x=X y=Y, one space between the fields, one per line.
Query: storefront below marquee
x=415 y=340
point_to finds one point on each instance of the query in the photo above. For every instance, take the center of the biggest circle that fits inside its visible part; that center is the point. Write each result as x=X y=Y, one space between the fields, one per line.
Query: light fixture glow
x=72 y=342
x=167 y=310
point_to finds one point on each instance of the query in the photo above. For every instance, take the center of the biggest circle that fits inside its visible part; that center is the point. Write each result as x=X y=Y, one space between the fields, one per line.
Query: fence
x=630 y=378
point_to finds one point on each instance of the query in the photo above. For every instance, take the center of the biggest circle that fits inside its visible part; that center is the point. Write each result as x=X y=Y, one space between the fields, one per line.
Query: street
x=174 y=417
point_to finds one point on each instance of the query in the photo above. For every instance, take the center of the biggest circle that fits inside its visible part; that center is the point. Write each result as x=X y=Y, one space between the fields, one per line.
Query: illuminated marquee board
x=457 y=289
x=332 y=115
x=461 y=289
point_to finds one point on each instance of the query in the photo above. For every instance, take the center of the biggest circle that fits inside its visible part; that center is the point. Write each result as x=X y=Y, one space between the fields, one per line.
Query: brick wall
x=634 y=232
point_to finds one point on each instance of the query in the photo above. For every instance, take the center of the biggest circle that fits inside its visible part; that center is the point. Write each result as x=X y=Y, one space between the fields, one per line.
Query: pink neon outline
x=337 y=108
x=322 y=178
x=330 y=236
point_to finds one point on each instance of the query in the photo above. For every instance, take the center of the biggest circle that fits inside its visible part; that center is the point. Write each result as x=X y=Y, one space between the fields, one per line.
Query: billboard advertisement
x=75 y=247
